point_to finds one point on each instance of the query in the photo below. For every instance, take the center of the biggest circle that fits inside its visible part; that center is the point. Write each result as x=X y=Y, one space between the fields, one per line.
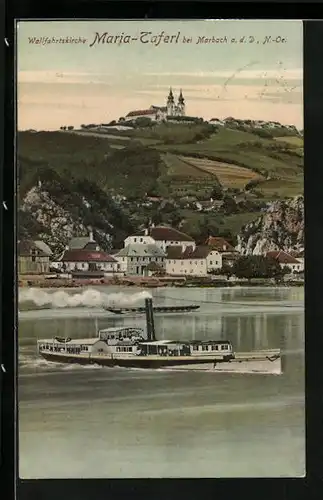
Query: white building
x=286 y=261
x=161 y=236
x=88 y=260
x=135 y=258
x=193 y=261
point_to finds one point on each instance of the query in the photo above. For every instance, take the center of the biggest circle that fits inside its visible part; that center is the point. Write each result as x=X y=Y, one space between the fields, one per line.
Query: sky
x=242 y=73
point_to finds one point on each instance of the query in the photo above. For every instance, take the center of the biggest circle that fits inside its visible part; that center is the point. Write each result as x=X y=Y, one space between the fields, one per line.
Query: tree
x=143 y=122
x=257 y=266
x=229 y=205
x=217 y=193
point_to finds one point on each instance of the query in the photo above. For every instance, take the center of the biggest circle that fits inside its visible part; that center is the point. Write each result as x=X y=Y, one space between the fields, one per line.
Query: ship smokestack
x=150 y=320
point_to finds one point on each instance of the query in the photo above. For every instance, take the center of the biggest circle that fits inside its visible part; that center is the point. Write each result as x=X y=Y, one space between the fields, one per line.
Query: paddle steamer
x=130 y=347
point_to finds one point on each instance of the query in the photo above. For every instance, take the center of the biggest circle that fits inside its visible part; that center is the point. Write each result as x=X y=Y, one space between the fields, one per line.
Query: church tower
x=170 y=103
x=181 y=104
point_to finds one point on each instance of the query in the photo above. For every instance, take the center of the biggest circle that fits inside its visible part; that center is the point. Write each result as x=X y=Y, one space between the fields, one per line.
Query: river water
x=93 y=422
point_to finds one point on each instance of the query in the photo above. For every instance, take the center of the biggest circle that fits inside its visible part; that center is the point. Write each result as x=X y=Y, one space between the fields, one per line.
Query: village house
x=88 y=261
x=31 y=258
x=286 y=261
x=136 y=258
x=161 y=236
x=228 y=253
x=208 y=206
x=193 y=261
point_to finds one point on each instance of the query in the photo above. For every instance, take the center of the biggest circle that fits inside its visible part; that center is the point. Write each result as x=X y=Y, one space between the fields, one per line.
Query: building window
x=215 y=348
x=174 y=261
x=223 y=347
x=205 y=347
x=135 y=240
x=196 y=262
x=182 y=263
x=140 y=240
x=211 y=262
x=131 y=258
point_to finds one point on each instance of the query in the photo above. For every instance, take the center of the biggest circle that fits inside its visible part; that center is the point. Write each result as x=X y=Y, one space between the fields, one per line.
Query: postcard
x=160 y=250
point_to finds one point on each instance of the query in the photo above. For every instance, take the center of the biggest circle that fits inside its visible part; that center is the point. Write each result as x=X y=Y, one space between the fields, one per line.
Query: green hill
x=245 y=168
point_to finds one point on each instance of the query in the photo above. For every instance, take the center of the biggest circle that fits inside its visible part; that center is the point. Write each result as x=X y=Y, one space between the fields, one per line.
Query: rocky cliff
x=280 y=227
x=55 y=210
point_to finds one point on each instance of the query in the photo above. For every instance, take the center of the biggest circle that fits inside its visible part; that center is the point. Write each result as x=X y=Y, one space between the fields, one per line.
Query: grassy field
x=229 y=175
x=291 y=140
x=281 y=188
x=178 y=167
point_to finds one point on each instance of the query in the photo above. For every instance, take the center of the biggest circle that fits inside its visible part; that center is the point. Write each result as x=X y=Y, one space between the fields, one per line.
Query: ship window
x=205 y=347
x=100 y=350
x=195 y=347
x=215 y=348
x=223 y=347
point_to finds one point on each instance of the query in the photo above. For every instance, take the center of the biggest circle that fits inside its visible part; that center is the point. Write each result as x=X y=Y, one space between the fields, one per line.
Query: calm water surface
x=93 y=422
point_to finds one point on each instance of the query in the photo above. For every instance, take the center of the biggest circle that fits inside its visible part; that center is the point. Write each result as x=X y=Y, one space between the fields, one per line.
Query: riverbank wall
x=41 y=281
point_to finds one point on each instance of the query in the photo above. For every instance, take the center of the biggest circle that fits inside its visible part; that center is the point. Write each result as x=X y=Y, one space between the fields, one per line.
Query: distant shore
x=151 y=282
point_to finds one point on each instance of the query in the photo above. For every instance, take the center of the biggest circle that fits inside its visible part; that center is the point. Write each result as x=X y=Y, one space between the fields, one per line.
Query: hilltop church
x=158 y=113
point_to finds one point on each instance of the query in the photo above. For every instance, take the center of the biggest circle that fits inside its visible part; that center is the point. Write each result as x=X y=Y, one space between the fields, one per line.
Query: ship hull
x=135 y=362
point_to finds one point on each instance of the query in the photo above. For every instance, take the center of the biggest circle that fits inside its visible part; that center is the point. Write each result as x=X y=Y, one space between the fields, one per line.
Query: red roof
x=86 y=256
x=142 y=112
x=282 y=257
x=219 y=244
x=200 y=252
x=162 y=233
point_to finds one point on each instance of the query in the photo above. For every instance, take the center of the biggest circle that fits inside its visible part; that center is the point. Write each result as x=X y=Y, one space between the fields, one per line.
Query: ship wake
x=88 y=298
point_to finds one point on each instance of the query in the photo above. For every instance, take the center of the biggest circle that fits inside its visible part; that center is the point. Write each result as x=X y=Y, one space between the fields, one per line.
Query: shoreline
x=152 y=282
